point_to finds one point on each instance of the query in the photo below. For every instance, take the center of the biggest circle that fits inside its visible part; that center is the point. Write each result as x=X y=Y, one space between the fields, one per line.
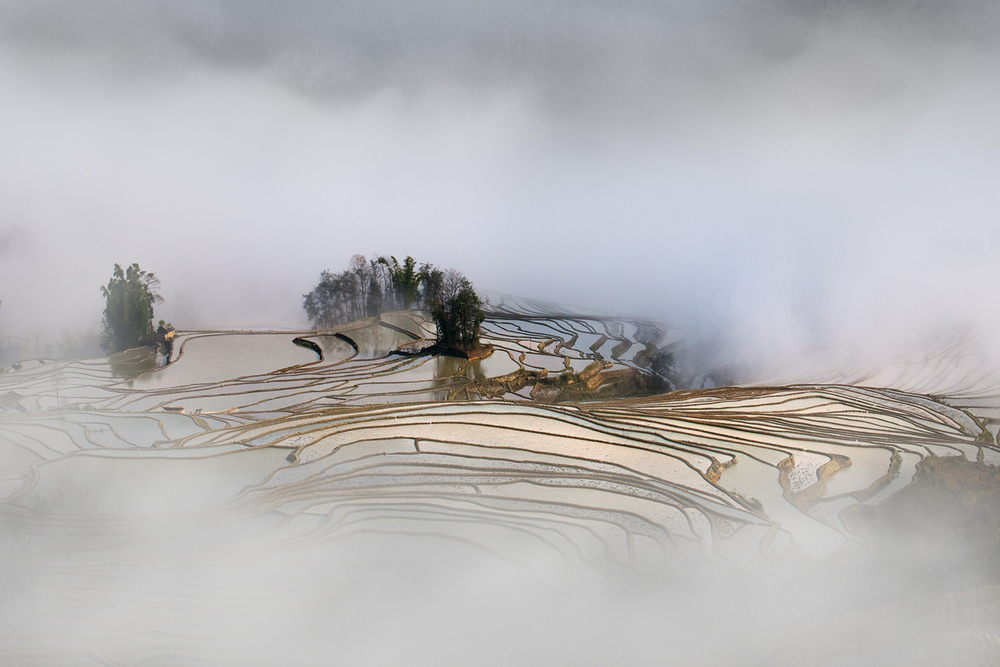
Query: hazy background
x=790 y=177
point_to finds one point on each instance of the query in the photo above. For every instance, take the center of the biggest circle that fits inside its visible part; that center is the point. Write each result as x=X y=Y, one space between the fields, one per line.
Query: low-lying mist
x=197 y=587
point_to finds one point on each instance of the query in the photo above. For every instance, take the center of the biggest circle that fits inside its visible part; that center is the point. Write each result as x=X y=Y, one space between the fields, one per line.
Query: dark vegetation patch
x=594 y=382
x=945 y=524
x=372 y=287
x=920 y=587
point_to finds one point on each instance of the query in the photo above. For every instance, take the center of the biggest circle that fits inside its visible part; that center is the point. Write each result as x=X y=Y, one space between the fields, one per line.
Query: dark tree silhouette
x=403 y=281
x=128 y=312
x=457 y=312
x=662 y=364
x=369 y=288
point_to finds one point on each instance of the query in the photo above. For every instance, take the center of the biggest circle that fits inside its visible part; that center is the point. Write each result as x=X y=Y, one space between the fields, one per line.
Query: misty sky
x=795 y=174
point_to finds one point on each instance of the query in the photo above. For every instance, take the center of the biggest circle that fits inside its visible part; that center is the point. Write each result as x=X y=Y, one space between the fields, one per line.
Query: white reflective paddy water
x=312 y=472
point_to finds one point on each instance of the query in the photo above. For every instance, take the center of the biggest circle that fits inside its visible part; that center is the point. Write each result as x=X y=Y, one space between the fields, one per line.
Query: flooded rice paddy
x=173 y=514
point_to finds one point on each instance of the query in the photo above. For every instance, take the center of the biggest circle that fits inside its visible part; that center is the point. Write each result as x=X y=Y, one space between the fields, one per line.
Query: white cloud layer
x=784 y=178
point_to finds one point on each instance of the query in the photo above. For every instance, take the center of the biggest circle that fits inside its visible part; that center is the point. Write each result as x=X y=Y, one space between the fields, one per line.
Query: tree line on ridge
x=367 y=288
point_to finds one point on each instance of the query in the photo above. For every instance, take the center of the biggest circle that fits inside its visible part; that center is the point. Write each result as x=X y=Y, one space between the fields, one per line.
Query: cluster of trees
x=366 y=289
x=128 y=312
x=455 y=308
x=371 y=287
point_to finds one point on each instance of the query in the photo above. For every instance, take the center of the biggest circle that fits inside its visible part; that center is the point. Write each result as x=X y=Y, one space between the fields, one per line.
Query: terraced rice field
x=251 y=457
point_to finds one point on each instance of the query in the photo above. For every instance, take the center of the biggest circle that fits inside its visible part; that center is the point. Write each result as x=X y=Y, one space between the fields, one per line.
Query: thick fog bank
x=786 y=181
x=202 y=598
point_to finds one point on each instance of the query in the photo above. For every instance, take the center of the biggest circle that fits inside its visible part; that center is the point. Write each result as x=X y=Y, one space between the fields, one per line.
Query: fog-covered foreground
x=253 y=503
